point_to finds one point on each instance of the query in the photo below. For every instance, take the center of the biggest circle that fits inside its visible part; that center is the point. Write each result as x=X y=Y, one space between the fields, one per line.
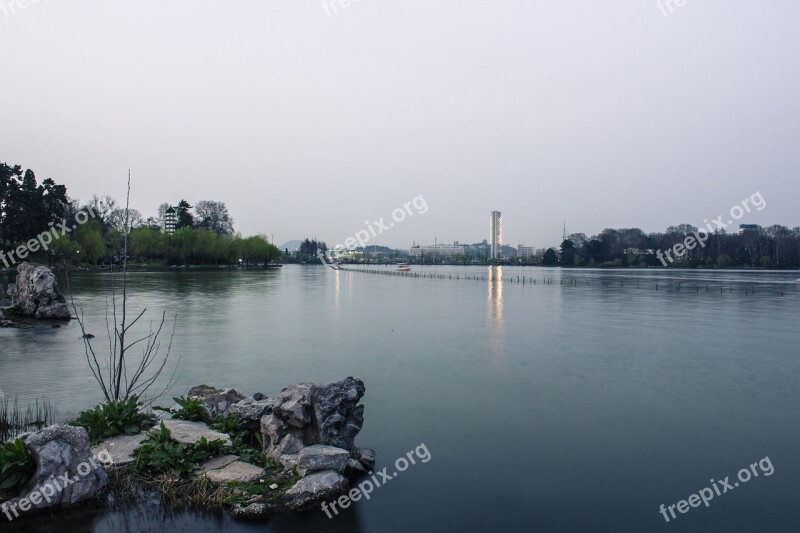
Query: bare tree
x=121 y=374
x=214 y=216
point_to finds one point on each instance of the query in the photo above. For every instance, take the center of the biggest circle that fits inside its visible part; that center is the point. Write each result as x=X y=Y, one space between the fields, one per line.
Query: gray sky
x=603 y=114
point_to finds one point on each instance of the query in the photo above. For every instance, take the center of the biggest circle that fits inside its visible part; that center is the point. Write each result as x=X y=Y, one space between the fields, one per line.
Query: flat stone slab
x=120 y=448
x=236 y=471
x=191 y=432
x=218 y=462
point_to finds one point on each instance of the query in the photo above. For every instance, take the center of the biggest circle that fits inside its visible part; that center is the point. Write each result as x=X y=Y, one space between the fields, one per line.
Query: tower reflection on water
x=494 y=312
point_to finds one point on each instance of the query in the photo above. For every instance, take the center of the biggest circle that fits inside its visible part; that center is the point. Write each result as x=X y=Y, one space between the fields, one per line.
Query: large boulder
x=338 y=416
x=312 y=428
x=36 y=294
x=307 y=414
x=66 y=472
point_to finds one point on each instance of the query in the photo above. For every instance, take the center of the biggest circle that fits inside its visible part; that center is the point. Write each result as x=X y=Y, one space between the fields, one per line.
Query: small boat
x=403 y=267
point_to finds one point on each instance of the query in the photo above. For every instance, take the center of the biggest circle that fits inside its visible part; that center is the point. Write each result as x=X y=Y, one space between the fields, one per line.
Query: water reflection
x=494 y=317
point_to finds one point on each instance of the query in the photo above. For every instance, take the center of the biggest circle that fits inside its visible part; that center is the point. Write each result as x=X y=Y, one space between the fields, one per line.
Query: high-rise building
x=496 y=233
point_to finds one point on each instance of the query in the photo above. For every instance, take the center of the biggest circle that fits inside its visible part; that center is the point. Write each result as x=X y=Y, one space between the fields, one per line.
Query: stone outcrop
x=313 y=428
x=217 y=401
x=310 y=429
x=35 y=294
x=66 y=472
x=337 y=414
x=307 y=414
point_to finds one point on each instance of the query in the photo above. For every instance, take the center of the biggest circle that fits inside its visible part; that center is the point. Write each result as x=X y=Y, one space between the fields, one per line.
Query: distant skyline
x=600 y=114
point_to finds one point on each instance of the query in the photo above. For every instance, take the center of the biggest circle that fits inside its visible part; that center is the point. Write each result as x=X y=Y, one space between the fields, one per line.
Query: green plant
x=14 y=420
x=191 y=409
x=247 y=444
x=114 y=418
x=16 y=467
x=160 y=454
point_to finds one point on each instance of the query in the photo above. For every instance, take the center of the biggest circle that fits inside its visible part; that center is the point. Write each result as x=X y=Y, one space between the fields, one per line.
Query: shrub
x=159 y=454
x=16 y=467
x=247 y=444
x=114 y=418
x=191 y=409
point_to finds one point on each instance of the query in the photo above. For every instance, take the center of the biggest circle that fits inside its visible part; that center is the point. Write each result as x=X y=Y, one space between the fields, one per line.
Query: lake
x=582 y=402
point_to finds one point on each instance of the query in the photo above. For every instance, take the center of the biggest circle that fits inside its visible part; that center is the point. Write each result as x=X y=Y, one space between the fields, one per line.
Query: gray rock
x=6 y=324
x=251 y=409
x=217 y=401
x=191 y=432
x=293 y=404
x=253 y=511
x=361 y=462
x=288 y=461
x=258 y=397
x=319 y=457
x=279 y=438
x=236 y=471
x=36 y=294
x=355 y=469
x=59 y=451
x=366 y=457
x=218 y=462
x=315 y=488
x=307 y=414
x=338 y=415
x=120 y=448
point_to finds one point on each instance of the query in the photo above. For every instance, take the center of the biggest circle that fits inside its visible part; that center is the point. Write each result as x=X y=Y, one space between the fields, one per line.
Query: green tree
x=185 y=217
x=568 y=253
x=90 y=238
x=550 y=258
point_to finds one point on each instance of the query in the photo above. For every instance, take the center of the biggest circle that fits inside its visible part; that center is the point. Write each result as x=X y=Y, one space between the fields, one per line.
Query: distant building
x=524 y=251
x=170 y=220
x=639 y=251
x=495 y=233
x=748 y=228
x=442 y=250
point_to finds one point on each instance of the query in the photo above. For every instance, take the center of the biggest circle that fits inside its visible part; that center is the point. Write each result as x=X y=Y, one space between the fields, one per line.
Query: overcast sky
x=600 y=114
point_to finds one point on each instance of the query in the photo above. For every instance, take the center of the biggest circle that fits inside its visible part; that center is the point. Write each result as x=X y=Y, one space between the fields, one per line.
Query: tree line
x=205 y=234
x=768 y=247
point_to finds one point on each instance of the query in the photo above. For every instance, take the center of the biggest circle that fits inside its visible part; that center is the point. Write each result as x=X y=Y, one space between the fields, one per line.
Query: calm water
x=565 y=406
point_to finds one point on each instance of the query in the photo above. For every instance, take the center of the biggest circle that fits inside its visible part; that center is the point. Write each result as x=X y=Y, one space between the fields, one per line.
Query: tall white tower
x=496 y=233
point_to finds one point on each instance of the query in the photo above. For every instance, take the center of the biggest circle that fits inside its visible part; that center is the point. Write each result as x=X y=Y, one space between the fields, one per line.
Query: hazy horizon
x=307 y=125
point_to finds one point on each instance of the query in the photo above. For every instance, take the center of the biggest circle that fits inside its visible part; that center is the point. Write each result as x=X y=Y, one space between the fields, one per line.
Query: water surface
x=579 y=403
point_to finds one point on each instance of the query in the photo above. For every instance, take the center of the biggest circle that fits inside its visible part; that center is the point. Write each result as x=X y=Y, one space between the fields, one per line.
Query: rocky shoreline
x=308 y=455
